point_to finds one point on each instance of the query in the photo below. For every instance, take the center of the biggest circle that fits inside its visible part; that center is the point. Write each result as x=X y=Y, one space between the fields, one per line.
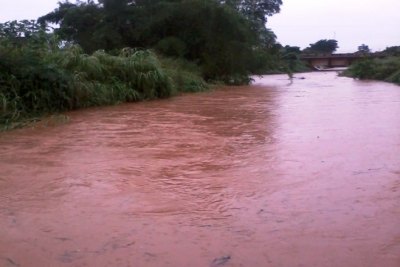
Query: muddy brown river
x=275 y=174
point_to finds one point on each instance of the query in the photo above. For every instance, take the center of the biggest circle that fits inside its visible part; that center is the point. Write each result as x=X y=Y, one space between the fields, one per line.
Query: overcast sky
x=351 y=22
x=300 y=22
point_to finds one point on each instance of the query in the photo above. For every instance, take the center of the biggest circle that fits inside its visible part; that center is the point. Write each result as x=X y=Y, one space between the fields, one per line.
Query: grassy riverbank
x=83 y=63
x=387 y=69
x=38 y=79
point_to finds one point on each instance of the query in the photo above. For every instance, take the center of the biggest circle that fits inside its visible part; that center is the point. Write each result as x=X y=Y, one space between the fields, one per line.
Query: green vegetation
x=283 y=60
x=224 y=38
x=392 y=51
x=39 y=77
x=114 y=51
x=386 y=68
x=364 y=49
x=322 y=47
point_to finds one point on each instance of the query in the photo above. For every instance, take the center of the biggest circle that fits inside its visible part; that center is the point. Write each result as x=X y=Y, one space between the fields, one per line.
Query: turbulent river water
x=273 y=174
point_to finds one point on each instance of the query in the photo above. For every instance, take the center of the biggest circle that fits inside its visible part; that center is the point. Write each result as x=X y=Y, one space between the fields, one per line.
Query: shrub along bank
x=387 y=69
x=38 y=77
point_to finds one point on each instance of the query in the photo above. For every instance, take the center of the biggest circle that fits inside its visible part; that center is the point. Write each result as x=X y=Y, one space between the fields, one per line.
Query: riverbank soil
x=274 y=174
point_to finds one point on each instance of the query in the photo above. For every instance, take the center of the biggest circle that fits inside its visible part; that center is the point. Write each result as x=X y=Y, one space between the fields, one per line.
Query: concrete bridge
x=331 y=60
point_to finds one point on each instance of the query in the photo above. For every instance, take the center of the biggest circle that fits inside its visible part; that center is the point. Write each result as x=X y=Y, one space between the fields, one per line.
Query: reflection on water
x=274 y=174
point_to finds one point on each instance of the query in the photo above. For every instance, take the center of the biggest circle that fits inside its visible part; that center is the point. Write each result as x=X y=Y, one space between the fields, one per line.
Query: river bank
x=40 y=81
x=272 y=174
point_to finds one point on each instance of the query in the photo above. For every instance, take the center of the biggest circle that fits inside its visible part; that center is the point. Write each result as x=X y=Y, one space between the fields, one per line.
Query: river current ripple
x=273 y=174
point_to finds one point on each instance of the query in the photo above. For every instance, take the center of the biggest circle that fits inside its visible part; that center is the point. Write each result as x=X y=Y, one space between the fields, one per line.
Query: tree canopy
x=220 y=36
x=392 y=51
x=364 y=48
x=323 y=47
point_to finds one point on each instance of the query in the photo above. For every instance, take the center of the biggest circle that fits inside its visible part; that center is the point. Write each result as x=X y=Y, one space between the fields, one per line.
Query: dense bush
x=38 y=76
x=387 y=69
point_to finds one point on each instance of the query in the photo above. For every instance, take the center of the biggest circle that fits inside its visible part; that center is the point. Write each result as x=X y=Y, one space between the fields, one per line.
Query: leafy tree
x=255 y=10
x=291 y=49
x=323 y=46
x=220 y=36
x=25 y=32
x=290 y=57
x=392 y=51
x=82 y=24
x=364 y=49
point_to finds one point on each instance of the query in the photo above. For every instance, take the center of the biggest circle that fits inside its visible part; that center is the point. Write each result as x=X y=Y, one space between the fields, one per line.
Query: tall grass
x=186 y=76
x=39 y=80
